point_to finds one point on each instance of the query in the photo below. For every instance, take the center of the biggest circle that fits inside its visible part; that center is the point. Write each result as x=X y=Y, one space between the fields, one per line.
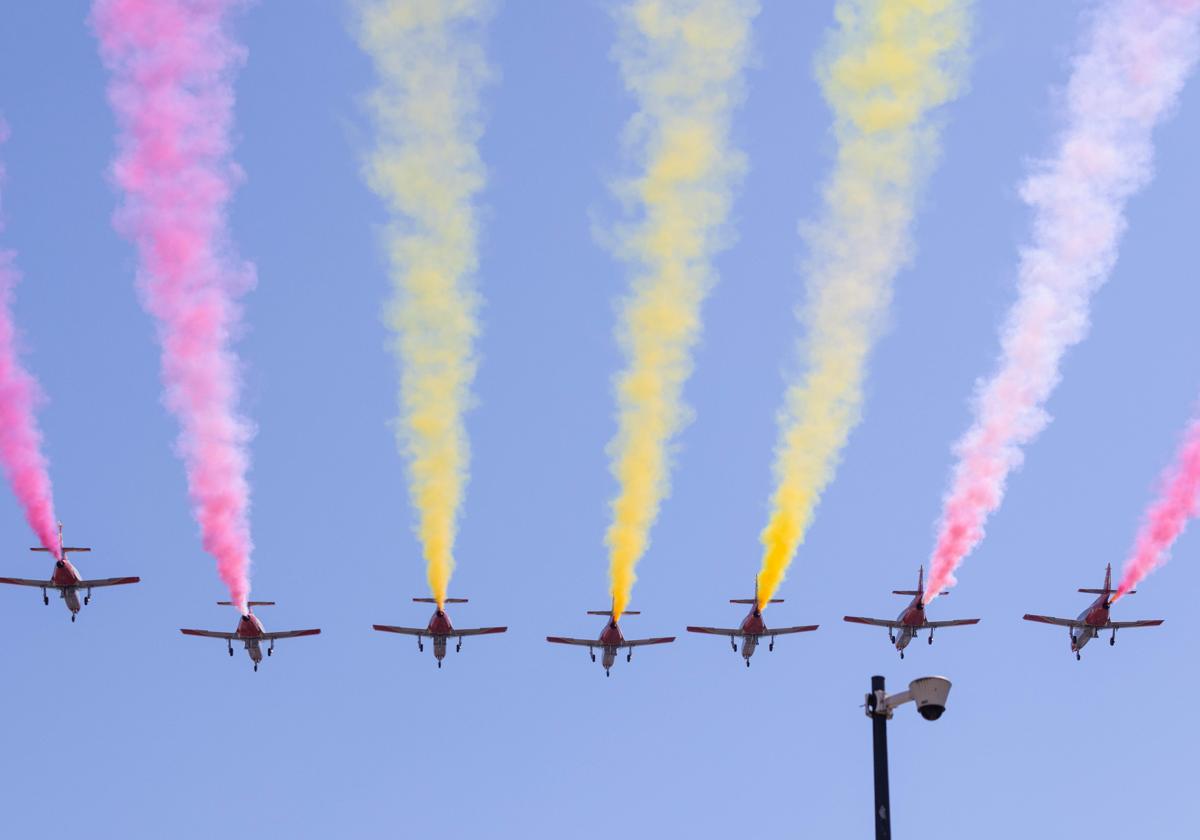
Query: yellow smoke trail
x=683 y=61
x=427 y=168
x=888 y=65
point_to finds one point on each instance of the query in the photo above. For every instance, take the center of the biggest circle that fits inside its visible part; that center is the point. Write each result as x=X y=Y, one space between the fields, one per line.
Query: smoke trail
x=427 y=168
x=20 y=437
x=1167 y=517
x=683 y=61
x=890 y=64
x=172 y=64
x=1134 y=62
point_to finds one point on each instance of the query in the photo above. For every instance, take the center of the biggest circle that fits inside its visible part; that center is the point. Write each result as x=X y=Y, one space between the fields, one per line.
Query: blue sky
x=120 y=727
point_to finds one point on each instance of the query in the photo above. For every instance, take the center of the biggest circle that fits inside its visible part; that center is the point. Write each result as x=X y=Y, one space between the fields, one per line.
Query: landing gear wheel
x=256 y=667
x=87 y=599
x=439 y=663
x=458 y=648
x=231 y=651
x=931 y=640
x=1077 y=656
x=593 y=657
x=747 y=663
x=1112 y=641
x=606 y=673
x=72 y=618
x=770 y=647
x=46 y=600
x=901 y=654
x=629 y=656
x=269 y=651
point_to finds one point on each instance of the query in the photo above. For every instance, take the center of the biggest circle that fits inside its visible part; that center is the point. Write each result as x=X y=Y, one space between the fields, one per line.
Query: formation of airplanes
x=66 y=580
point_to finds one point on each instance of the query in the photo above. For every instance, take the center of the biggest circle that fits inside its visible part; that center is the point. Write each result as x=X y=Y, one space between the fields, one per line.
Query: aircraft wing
x=560 y=640
x=1119 y=625
x=407 y=631
x=92 y=584
x=479 y=631
x=874 y=622
x=1045 y=619
x=211 y=634
x=288 y=634
x=40 y=584
x=957 y=622
x=660 y=640
x=716 y=631
x=783 y=631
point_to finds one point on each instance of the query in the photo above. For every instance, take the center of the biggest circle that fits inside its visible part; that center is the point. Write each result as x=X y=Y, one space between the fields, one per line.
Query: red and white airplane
x=439 y=629
x=611 y=641
x=1095 y=618
x=250 y=632
x=67 y=580
x=911 y=619
x=753 y=627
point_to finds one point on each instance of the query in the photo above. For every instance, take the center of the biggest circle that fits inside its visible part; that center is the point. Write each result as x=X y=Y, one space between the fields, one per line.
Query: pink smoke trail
x=171 y=64
x=20 y=438
x=1167 y=517
x=1126 y=79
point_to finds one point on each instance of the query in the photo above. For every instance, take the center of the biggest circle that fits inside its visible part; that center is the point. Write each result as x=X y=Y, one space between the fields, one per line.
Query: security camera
x=930 y=693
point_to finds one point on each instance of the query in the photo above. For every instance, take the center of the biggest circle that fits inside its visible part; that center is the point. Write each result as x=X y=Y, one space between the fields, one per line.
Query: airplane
x=610 y=641
x=1095 y=618
x=753 y=628
x=67 y=580
x=911 y=619
x=439 y=629
x=250 y=632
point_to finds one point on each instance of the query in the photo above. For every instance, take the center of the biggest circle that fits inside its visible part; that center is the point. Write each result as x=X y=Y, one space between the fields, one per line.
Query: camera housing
x=930 y=693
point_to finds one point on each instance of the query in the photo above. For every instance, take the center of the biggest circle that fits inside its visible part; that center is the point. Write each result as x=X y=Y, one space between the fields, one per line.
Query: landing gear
x=420 y=646
x=734 y=645
x=771 y=645
x=45 y=598
x=747 y=663
x=629 y=656
x=231 y=649
x=606 y=673
x=72 y=618
x=1112 y=641
x=1077 y=656
x=901 y=654
x=270 y=650
x=930 y=638
x=592 y=654
x=458 y=647
x=891 y=638
x=87 y=599
x=256 y=667
x=439 y=664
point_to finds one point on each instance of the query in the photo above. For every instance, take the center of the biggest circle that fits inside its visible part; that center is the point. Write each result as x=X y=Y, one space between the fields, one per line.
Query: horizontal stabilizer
x=754 y=601
x=609 y=612
x=66 y=549
x=248 y=603
x=1104 y=591
x=434 y=601
x=913 y=592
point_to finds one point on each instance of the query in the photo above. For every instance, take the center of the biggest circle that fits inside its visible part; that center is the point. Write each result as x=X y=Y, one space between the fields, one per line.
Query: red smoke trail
x=1166 y=519
x=171 y=65
x=1123 y=83
x=20 y=438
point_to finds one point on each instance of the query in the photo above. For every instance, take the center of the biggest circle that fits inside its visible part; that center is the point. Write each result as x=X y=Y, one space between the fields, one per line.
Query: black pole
x=883 y=813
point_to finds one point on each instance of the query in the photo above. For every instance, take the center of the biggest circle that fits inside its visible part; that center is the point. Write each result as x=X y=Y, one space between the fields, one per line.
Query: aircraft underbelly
x=72 y=599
